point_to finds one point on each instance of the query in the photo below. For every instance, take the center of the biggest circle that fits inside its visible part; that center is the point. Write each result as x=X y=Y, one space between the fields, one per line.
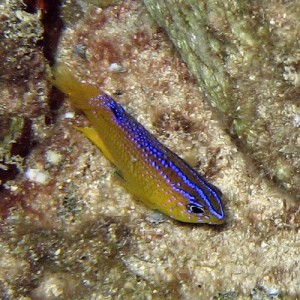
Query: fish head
x=199 y=206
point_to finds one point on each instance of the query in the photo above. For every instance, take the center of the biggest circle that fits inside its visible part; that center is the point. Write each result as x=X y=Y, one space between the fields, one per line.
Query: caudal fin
x=78 y=93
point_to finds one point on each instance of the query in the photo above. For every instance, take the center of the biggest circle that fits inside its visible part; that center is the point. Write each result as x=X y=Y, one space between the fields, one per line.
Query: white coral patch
x=36 y=175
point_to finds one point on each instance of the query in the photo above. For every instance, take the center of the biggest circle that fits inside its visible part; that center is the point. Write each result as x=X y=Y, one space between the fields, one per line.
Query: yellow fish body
x=149 y=170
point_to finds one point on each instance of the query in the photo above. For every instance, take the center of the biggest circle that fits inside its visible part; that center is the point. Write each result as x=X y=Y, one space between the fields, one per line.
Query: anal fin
x=94 y=137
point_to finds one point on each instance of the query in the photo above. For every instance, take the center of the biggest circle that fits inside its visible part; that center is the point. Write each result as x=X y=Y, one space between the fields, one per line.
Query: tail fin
x=78 y=93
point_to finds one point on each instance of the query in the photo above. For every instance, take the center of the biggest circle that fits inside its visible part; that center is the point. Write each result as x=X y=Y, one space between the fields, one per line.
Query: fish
x=146 y=168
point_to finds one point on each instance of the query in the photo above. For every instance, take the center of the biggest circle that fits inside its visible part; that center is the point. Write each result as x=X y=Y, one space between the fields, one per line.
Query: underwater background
x=215 y=81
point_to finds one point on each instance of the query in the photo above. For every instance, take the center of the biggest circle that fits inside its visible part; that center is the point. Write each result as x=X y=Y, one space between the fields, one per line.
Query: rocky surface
x=70 y=231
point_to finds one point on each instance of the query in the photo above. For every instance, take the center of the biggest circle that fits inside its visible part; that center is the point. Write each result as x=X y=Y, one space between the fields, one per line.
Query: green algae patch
x=15 y=144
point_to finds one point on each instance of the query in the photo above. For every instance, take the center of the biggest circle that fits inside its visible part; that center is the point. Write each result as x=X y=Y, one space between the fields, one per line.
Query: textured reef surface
x=68 y=229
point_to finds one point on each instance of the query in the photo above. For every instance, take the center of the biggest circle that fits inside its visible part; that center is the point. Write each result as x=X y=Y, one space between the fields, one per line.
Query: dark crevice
x=53 y=26
x=52 y=23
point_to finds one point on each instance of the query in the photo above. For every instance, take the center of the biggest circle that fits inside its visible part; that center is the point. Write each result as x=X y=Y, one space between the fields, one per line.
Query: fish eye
x=194 y=209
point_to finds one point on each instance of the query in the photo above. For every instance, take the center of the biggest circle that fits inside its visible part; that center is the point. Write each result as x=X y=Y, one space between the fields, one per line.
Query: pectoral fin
x=133 y=189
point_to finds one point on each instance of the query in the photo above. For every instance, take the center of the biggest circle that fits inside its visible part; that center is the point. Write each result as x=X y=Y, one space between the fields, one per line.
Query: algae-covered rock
x=77 y=234
x=23 y=87
x=24 y=91
x=15 y=142
x=245 y=56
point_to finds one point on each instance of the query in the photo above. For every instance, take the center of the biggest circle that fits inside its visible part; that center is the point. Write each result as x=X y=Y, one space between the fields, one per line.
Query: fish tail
x=78 y=93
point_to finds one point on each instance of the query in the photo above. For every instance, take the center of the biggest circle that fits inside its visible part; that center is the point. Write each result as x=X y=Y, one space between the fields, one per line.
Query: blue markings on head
x=201 y=192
